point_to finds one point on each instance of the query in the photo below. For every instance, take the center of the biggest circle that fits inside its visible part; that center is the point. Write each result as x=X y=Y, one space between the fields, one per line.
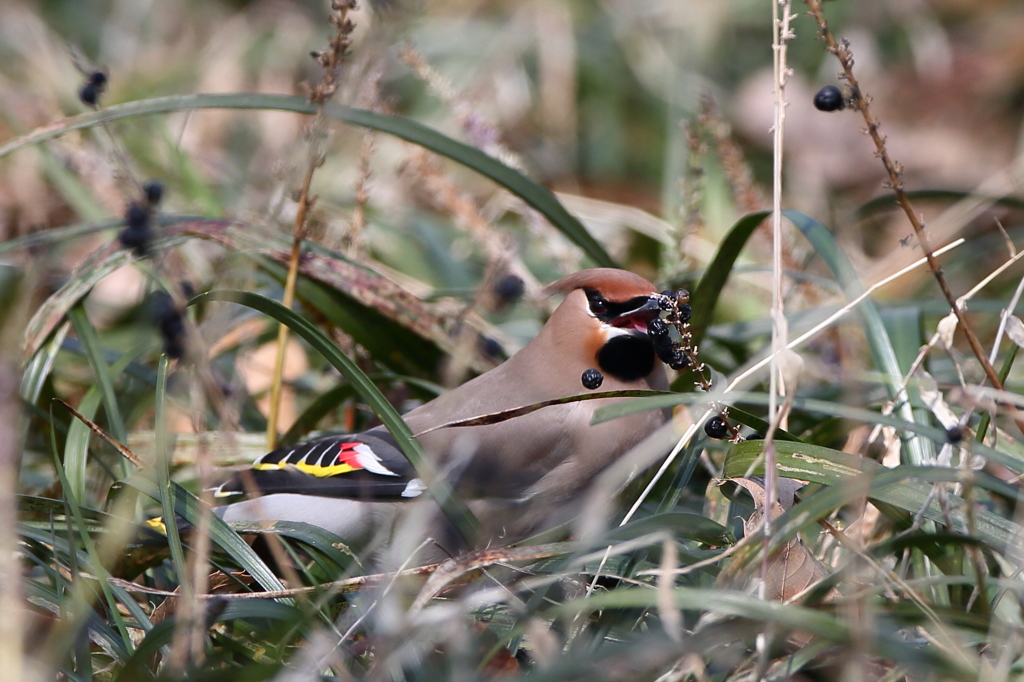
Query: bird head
x=605 y=314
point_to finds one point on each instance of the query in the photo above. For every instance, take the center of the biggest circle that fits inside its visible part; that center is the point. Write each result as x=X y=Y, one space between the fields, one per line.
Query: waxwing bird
x=519 y=475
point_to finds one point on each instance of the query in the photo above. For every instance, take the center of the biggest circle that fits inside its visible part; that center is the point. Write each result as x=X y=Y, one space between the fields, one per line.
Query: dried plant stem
x=895 y=172
x=781 y=34
x=331 y=60
x=288 y=299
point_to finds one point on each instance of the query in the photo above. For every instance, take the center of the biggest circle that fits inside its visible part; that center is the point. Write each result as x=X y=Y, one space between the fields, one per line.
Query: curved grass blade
x=682 y=525
x=1007 y=459
x=163 y=478
x=76 y=448
x=878 y=338
x=705 y=296
x=40 y=364
x=187 y=506
x=63 y=635
x=389 y=340
x=91 y=344
x=329 y=400
x=456 y=510
x=515 y=182
x=325 y=543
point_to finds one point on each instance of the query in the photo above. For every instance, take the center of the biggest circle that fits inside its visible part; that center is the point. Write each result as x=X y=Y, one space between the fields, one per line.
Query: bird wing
x=365 y=466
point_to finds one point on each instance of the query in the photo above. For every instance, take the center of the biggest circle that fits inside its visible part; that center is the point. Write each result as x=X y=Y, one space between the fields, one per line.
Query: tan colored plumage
x=525 y=473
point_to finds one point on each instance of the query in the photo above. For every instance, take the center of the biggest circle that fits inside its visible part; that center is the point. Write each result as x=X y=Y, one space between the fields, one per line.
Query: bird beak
x=638 y=318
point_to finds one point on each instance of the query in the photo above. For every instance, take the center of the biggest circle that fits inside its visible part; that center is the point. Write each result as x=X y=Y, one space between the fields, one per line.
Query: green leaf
x=905 y=487
x=515 y=182
x=453 y=506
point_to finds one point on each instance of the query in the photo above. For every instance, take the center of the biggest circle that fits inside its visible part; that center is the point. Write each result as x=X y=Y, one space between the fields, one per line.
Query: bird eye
x=598 y=304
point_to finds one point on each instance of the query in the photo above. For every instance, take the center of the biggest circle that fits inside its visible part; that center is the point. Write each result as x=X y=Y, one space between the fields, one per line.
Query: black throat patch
x=627 y=357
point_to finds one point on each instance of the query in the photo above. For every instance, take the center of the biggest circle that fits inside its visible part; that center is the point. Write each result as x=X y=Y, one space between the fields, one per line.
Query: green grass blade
x=187 y=506
x=38 y=368
x=515 y=182
x=163 y=478
x=878 y=338
x=454 y=508
x=904 y=487
x=76 y=448
x=388 y=340
x=705 y=296
x=96 y=566
x=91 y=344
x=1009 y=459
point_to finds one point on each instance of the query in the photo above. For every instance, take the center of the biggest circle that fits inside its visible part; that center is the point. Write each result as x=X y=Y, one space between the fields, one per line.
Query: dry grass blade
x=95 y=428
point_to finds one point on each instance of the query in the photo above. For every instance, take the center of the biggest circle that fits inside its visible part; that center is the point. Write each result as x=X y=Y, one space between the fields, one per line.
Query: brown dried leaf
x=793 y=568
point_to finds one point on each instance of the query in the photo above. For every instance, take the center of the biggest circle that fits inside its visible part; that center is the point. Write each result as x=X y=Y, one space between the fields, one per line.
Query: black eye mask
x=607 y=311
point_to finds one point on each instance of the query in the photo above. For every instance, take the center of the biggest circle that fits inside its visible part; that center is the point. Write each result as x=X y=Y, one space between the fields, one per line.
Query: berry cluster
x=170 y=321
x=682 y=354
x=678 y=355
x=95 y=85
x=137 y=234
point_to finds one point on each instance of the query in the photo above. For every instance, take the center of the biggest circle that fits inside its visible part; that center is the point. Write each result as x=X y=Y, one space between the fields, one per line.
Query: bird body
x=518 y=475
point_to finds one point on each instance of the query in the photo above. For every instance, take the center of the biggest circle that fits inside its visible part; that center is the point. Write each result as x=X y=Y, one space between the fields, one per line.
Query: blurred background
x=651 y=121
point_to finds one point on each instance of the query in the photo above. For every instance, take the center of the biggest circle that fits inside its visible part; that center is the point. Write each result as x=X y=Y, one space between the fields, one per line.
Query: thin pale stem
x=289 y=298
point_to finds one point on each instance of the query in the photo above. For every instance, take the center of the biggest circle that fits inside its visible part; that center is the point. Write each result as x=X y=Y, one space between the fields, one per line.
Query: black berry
x=135 y=239
x=95 y=84
x=657 y=328
x=136 y=234
x=137 y=216
x=170 y=322
x=684 y=313
x=954 y=434
x=665 y=303
x=829 y=98
x=663 y=347
x=89 y=94
x=509 y=288
x=154 y=191
x=679 y=360
x=592 y=378
x=716 y=428
x=489 y=347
